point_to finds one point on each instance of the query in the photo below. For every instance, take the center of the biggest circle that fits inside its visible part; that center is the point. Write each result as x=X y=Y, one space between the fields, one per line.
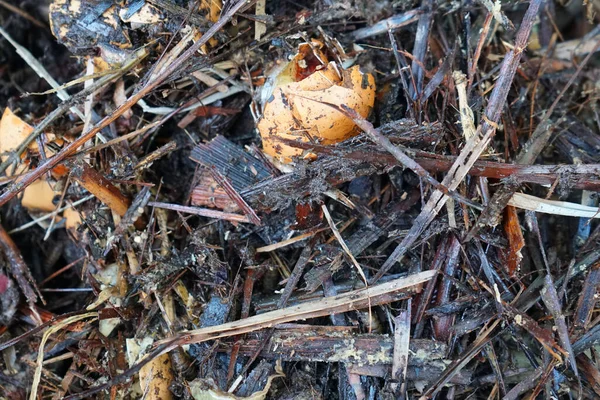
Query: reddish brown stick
x=102 y=188
x=18 y=268
x=579 y=176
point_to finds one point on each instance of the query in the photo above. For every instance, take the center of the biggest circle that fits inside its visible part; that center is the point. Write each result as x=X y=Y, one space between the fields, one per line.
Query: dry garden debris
x=327 y=199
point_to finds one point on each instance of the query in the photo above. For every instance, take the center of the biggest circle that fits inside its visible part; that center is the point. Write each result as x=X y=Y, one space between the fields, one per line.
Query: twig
x=130 y=217
x=532 y=203
x=296 y=274
x=58 y=206
x=442 y=326
x=482 y=39
x=576 y=176
x=484 y=337
x=420 y=48
x=402 y=68
x=392 y=23
x=60 y=271
x=550 y=299
x=204 y=212
x=162 y=151
x=19 y=269
x=353 y=300
x=467 y=120
x=587 y=300
x=130 y=135
x=437 y=78
x=251 y=277
x=259 y=27
x=322 y=343
x=284 y=243
x=342 y=243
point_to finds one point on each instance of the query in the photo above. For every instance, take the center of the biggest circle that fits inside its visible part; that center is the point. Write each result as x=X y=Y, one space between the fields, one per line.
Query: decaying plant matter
x=324 y=199
x=294 y=107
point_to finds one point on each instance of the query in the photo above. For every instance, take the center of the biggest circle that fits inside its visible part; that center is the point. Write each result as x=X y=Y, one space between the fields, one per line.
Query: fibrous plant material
x=299 y=199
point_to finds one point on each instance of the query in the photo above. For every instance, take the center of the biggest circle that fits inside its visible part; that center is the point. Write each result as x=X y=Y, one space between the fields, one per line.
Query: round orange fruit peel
x=300 y=106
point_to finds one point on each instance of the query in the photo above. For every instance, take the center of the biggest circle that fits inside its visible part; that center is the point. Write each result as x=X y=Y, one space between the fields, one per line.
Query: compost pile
x=329 y=199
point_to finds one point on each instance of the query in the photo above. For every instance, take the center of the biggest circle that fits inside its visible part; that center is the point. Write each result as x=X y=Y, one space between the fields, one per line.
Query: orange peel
x=13 y=131
x=37 y=197
x=298 y=109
